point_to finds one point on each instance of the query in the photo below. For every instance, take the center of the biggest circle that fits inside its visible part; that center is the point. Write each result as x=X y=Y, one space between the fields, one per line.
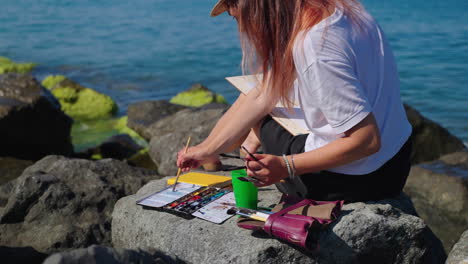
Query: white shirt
x=344 y=73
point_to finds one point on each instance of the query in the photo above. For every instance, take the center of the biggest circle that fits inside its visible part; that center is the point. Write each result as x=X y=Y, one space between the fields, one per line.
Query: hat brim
x=219 y=8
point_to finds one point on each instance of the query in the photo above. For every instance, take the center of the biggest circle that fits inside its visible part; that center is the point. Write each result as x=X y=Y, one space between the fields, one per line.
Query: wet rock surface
x=374 y=232
x=430 y=140
x=60 y=203
x=31 y=122
x=439 y=190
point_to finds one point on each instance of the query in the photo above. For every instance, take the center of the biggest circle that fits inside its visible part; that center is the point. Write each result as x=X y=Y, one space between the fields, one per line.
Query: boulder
x=60 y=203
x=99 y=254
x=459 y=253
x=439 y=191
x=430 y=140
x=80 y=102
x=8 y=66
x=374 y=232
x=198 y=95
x=170 y=134
x=142 y=115
x=31 y=122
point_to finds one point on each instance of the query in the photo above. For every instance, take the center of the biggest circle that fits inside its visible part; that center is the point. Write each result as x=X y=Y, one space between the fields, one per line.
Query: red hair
x=268 y=30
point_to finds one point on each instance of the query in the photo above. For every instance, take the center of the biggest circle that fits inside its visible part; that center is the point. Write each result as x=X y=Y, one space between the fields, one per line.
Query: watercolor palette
x=191 y=200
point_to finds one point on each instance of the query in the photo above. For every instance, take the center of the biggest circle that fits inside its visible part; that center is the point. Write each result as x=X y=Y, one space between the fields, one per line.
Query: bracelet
x=293 y=165
x=290 y=172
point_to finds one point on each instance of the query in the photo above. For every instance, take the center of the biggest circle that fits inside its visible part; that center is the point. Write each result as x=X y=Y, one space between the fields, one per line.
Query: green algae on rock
x=7 y=66
x=196 y=96
x=121 y=126
x=90 y=133
x=50 y=81
x=80 y=102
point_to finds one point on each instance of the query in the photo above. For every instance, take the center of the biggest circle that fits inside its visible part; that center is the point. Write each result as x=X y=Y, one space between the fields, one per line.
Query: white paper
x=216 y=211
x=167 y=196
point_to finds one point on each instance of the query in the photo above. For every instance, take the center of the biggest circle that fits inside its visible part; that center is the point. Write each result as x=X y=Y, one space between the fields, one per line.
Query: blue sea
x=151 y=49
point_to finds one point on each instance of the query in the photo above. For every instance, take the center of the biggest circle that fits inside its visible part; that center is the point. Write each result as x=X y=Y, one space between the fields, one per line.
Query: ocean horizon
x=153 y=49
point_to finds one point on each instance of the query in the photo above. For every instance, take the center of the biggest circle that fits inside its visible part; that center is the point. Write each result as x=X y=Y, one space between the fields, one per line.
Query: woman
x=333 y=59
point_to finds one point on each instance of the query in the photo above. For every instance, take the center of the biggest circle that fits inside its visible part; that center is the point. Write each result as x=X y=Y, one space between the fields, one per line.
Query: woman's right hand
x=194 y=157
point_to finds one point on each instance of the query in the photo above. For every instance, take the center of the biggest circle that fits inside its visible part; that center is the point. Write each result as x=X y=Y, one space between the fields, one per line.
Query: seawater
x=151 y=49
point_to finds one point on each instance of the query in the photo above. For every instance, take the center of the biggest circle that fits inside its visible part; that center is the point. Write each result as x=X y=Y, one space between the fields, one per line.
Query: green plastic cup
x=246 y=193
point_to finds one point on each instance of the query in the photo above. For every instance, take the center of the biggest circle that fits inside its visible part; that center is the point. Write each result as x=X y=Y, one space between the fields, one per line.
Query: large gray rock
x=60 y=203
x=170 y=134
x=459 y=253
x=31 y=122
x=99 y=254
x=430 y=140
x=374 y=232
x=142 y=115
x=439 y=190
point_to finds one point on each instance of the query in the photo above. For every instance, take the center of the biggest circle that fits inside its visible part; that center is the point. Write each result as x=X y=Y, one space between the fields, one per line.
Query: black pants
x=385 y=182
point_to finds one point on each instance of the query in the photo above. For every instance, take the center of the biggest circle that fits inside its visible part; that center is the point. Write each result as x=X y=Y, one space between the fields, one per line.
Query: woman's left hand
x=269 y=169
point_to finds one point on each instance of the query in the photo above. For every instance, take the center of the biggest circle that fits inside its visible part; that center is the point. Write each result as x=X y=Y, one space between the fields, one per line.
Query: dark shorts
x=385 y=182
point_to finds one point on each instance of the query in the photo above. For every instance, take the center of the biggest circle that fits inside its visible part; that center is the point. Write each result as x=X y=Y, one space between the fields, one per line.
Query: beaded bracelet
x=290 y=172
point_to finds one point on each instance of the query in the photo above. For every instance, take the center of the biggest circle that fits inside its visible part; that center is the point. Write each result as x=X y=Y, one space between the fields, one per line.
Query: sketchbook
x=293 y=121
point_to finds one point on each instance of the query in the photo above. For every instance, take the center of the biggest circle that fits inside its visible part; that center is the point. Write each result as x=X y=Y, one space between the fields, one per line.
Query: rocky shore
x=59 y=205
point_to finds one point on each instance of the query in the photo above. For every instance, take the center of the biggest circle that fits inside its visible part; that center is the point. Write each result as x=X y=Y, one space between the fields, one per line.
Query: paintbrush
x=257 y=160
x=234 y=210
x=179 y=170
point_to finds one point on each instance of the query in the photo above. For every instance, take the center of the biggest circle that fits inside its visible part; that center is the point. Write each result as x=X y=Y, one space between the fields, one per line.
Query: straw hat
x=219 y=8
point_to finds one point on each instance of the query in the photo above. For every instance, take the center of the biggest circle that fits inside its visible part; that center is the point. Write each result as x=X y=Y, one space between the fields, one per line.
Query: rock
x=197 y=96
x=99 y=254
x=459 y=253
x=170 y=134
x=439 y=190
x=430 y=140
x=21 y=255
x=373 y=232
x=142 y=115
x=80 y=102
x=31 y=123
x=11 y=168
x=8 y=66
x=118 y=147
x=60 y=203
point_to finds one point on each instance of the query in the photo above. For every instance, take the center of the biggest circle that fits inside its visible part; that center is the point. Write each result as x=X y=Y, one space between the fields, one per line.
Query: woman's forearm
x=224 y=119
x=361 y=141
